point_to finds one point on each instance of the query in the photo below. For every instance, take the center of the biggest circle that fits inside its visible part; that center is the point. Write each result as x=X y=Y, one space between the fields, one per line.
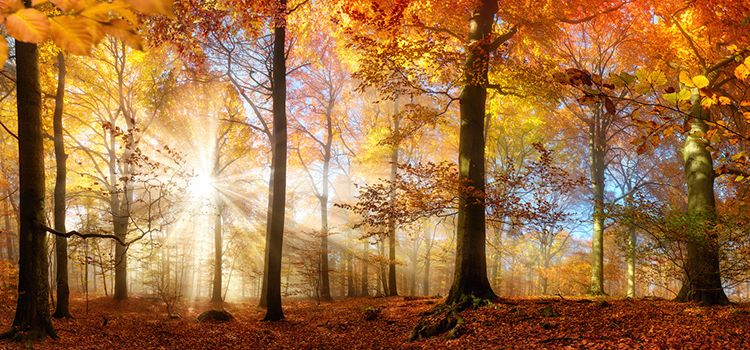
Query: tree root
x=445 y=318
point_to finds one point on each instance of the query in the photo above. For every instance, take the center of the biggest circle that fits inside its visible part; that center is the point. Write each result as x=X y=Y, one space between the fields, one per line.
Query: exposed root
x=445 y=318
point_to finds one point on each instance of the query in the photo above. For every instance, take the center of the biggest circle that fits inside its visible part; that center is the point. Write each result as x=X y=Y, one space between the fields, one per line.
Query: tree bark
x=325 y=285
x=392 y=288
x=470 y=275
x=596 y=163
x=32 y=318
x=365 y=261
x=264 y=278
x=632 y=241
x=278 y=168
x=62 y=308
x=702 y=281
x=216 y=295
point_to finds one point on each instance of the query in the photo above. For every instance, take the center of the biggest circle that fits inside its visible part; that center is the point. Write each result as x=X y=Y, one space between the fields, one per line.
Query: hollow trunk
x=32 y=318
x=278 y=168
x=702 y=281
x=470 y=275
x=62 y=308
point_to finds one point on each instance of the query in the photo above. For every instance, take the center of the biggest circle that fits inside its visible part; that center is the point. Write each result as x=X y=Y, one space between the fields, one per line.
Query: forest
x=360 y=174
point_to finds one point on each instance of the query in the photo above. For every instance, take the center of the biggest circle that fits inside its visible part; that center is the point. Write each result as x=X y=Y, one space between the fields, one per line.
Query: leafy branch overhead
x=76 y=26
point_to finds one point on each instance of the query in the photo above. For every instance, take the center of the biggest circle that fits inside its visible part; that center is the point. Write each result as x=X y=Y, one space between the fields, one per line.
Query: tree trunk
x=383 y=270
x=325 y=285
x=62 y=308
x=597 y=152
x=350 y=289
x=278 y=168
x=702 y=273
x=365 y=261
x=9 y=230
x=32 y=319
x=264 y=278
x=470 y=275
x=216 y=296
x=632 y=241
x=392 y=288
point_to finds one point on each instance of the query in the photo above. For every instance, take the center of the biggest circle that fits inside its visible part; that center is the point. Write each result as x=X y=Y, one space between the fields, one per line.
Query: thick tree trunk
x=264 y=278
x=278 y=167
x=121 y=261
x=32 y=319
x=702 y=272
x=121 y=220
x=216 y=296
x=596 y=163
x=470 y=275
x=62 y=308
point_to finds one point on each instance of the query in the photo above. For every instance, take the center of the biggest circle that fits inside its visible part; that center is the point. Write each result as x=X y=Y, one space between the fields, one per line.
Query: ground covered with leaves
x=385 y=323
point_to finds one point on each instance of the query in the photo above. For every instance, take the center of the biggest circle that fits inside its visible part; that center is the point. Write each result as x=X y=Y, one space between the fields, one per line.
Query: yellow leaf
x=9 y=6
x=72 y=34
x=152 y=7
x=28 y=25
x=685 y=79
x=707 y=102
x=739 y=178
x=67 y=5
x=723 y=100
x=3 y=51
x=103 y=11
x=743 y=70
x=700 y=81
x=122 y=30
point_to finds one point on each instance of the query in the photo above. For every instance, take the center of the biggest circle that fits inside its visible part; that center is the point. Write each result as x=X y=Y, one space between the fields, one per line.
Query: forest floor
x=551 y=323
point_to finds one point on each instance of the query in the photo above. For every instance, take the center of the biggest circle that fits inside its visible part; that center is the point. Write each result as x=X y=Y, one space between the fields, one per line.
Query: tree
x=62 y=308
x=29 y=27
x=275 y=239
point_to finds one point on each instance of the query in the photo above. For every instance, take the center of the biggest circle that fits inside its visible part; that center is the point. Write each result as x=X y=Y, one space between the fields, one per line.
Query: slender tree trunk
x=365 y=262
x=216 y=296
x=62 y=308
x=32 y=319
x=632 y=241
x=597 y=152
x=702 y=281
x=350 y=289
x=383 y=270
x=392 y=288
x=278 y=167
x=470 y=275
x=9 y=230
x=325 y=285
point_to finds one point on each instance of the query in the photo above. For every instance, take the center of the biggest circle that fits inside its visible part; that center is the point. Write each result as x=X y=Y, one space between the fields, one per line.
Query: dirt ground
x=508 y=324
